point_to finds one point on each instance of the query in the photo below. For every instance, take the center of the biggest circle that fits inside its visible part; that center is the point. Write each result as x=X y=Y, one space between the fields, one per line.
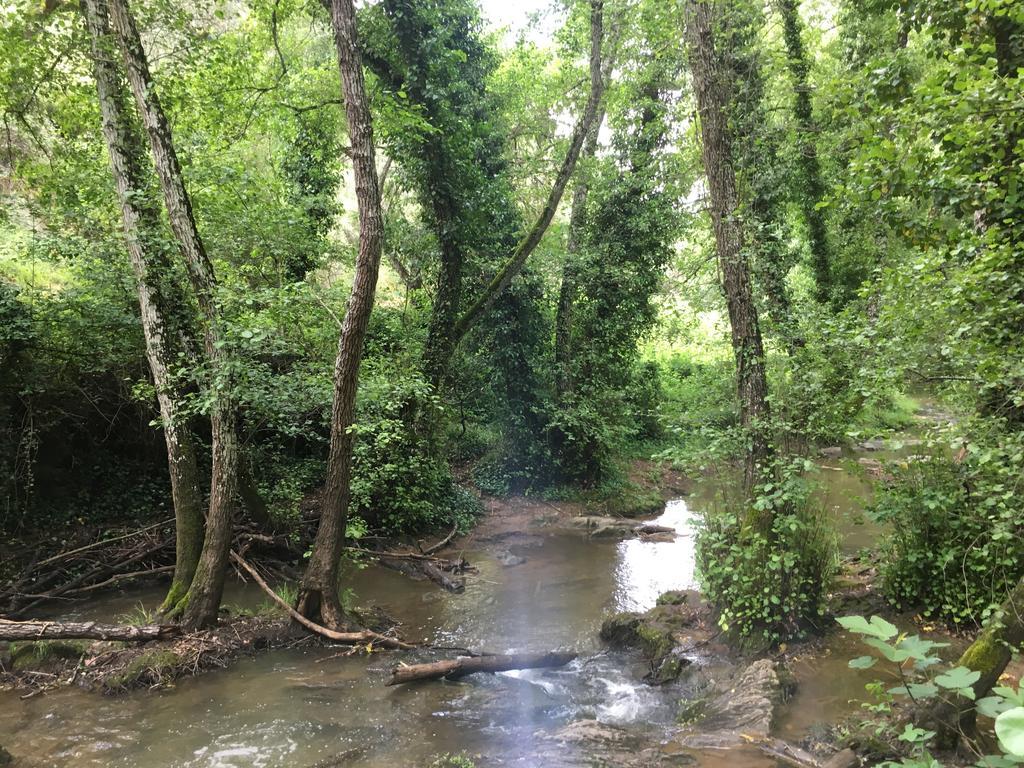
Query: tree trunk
x=200 y=604
x=88 y=630
x=162 y=304
x=448 y=294
x=318 y=597
x=712 y=90
x=514 y=265
x=568 y=289
x=989 y=654
x=807 y=151
x=468 y=665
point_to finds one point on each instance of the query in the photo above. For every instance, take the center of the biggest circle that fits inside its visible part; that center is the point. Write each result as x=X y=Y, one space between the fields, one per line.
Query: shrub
x=400 y=480
x=955 y=547
x=768 y=585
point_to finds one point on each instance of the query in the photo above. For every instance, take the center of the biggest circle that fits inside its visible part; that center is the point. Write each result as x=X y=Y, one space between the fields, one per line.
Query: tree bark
x=318 y=596
x=88 y=630
x=569 y=288
x=989 y=654
x=514 y=265
x=713 y=93
x=807 y=150
x=199 y=606
x=162 y=304
x=468 y=665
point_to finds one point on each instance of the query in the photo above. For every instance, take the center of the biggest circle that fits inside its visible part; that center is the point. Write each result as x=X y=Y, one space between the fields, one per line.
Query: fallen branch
x=363 y=636
x=100 y=543
x=116 y=579
x=443 y=542
x=89 y=630
x=468 y=665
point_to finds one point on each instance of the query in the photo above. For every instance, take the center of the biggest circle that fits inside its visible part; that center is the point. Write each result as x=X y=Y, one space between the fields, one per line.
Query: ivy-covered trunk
x=162 y=305
x=989 y=654
x=812 y=189
x=318 y=597
x=199 y=606
x=569 y=286
x=712 y=88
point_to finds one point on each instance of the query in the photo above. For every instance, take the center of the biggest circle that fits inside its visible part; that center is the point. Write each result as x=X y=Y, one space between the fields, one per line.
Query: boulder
x=831 y=452
x=656 y=634
x=507 y=559
x=589 y=743
x=738 y=712
x=871 y=445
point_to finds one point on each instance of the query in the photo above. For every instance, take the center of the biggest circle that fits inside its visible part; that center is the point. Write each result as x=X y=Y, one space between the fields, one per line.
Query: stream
x=297 y=708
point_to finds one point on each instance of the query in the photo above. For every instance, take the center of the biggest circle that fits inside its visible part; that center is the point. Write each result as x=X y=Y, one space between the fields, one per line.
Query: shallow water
x=297 y=707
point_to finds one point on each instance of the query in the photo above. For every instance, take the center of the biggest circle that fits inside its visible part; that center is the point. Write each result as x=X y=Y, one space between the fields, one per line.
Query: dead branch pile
x=104 y=562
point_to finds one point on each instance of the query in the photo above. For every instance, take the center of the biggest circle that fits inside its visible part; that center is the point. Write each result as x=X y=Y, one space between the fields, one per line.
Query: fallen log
x=648 y=528
x=87 y=630
x=437 y=576
x=363 y=636
x=468 y=665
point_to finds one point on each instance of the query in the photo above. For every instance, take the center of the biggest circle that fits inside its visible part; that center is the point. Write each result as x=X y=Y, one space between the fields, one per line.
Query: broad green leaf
x=958 y=678
x=863 y=662
x=993 y=706
x=889 y=651
x=915 y=690
x=1010 y=730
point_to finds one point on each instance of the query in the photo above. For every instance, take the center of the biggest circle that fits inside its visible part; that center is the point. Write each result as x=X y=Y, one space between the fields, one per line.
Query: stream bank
x=544 y=582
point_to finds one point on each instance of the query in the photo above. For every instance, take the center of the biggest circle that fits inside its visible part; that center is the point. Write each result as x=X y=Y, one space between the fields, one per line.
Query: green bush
x=768 y=585
x=400 y=480
x=955 y=546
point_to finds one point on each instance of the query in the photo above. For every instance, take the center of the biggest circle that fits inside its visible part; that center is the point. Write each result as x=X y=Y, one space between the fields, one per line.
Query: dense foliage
x=874 y=153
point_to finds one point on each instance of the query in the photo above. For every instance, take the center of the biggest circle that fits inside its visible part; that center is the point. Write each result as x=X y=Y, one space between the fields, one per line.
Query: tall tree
x=521 y=253
x=162 y=304
x=318 y=597
x=711 y=85
x=199 y=606
x=812 y=189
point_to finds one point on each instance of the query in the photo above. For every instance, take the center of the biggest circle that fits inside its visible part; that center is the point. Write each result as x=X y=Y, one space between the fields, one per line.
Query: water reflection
x=645 y=569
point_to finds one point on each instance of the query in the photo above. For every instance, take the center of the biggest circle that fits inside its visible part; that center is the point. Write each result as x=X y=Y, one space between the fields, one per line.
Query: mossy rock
x=632 y=630
x=667 y=670
x=673 y=597
x=151 y=667
x=692 y=710
x=43 y=654
x=619 y=630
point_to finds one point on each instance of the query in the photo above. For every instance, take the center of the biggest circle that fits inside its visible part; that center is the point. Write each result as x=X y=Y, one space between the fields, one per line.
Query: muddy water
x=294 y=708
x=298 y=707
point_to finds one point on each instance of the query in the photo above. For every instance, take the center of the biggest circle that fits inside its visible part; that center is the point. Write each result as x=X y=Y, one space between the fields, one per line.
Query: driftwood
x=87 y=630
x=363 y=636
x=442 y=543
x=468 y=665
x=648 y=528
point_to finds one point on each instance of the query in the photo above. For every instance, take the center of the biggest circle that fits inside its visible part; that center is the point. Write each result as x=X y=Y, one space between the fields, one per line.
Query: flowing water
x=297 y=707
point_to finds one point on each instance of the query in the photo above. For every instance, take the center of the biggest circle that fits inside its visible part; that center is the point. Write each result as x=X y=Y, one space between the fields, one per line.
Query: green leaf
x=919 y=649
x=889 y=651
x=915 y=690
x=863 y=662
x=1010 y=730
x=993 y=706
x=876 y=627
x=958 y=678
